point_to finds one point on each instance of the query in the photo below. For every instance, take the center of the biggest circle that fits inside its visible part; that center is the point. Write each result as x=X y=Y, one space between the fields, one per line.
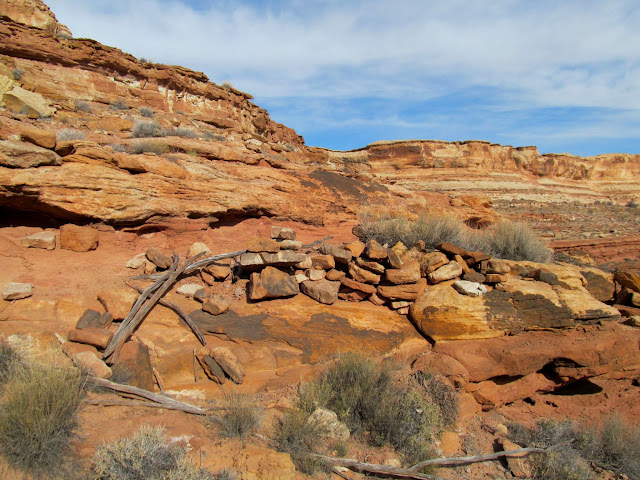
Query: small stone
x=306 y=263
x=335 y=275
x=283 y=233
x=495 y=265
x=394 y=259
x=97 y=337
x=452 y=250
x=473 y=276
x=329 y=423
x=78 y=239
x=90 y=363
x=356 y=248
x=472 y=289
x=189 y=290
x=322 y=291
x=137 y=261
x=92 y=318
x=197 y=248
x=258 y=245
x=410 y=291
x=200 y=295
x=290 y=245
x=463 y=264
x=134 y=363
x=400 y=249
x=351 y=295
x=41 y=138
x=44 y=240
x=400 y=304
x=218 y=272
x=362 y=275
x=375 y=251
x=217 y=304
x=546 y=276
x=403 y=311
x=635 y=299
x=431 y=261
x=374 y=267
x=16 y=291
x=314 y=275
x=229 y=363
x=376 y=300
x=341 y=255
x=250 y=260
x=323 y=262
x=495 y=278
x=158 y=258
x=284 y=258
x=300 y=277
x=408 y=273
x=354 y=285
x=447 y=272
x=149 y=267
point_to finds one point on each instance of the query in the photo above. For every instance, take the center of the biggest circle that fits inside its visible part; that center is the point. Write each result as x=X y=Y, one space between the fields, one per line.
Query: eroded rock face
x=26 y=155
x=444 y=314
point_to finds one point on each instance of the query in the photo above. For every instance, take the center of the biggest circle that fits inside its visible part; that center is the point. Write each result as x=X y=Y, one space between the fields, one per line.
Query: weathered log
x=122 y=402
x=163 y=400
x=194 y=328
x=412 y=472
x=159 y=382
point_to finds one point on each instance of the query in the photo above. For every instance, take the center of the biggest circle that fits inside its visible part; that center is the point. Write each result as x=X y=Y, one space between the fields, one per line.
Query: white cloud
x=535 y=54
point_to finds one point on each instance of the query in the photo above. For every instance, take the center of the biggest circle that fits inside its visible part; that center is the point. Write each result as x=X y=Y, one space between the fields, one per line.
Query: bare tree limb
x=121 y=402
x=460 y=461
x=156 y=375
x=413 y=472
x=194 y=328
x=166 y=402
x=313 y=244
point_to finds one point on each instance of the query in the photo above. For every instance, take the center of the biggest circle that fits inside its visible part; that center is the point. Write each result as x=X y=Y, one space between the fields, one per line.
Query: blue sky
x=564 y=76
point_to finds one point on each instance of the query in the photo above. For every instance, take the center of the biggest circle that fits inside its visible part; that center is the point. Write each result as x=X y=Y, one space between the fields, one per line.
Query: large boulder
x=19 y=100
x=324 y=291
x=26 y=155
x=272 y=283
x=78 y=239
x=444 y=314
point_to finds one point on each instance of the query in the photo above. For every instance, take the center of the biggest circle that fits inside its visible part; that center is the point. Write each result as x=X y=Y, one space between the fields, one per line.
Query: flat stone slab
x=17 y=291
x=45 y=240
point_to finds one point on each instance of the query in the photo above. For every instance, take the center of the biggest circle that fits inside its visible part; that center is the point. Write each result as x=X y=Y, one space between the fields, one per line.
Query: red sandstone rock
x=78 y=239
x=91 y=336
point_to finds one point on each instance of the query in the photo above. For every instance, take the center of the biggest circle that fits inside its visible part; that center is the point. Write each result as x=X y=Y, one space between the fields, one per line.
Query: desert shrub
x=118 y=105
x=213 y=136
x=515 y=241
x=82 y=106
x=374 y=402
x=227 y=85
x=182 y=132
x=118 y=147
x=146 y=112
x=241 y=416
x=149 y=146
x=508 y=240
x=432 y=230
x=147 y=455
x=298 y=435
x=142 y=129
x=631 y=204
x=614 y=447
x=69 y=134
x=442 y=395
x=64 y=35
x=9 y=358
x=16 y=73
x=38 y=415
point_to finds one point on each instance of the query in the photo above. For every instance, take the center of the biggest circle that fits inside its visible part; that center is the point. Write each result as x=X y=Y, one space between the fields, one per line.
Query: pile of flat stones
x=393 y=276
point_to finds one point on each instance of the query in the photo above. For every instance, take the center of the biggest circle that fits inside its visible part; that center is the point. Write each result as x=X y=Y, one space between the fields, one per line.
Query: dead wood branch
x=121 y=402
x=181 y=313
x=159 y=382
x=166 y=402
x=159 y=288
x=317 y=242
x=413 y=472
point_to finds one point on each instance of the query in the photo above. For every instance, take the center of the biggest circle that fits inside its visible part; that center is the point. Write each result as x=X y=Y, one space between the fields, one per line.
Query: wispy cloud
x=336 y=57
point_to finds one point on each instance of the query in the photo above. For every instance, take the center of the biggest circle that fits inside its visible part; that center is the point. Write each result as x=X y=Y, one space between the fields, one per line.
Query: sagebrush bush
x=146 y=112
x=82 y=106
x=376 y=403
x=240 y=417
x=182 y=132
x=118 y=105
x=147 y=455
x=9 y=357
x=16 y=73
x=515 y=241
x=299 y=436
x=38 y=415
x=118 y=147
x=146 y=129
x=508 y=240
x=149 y=146
x=69 y=134
x=615 y=447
